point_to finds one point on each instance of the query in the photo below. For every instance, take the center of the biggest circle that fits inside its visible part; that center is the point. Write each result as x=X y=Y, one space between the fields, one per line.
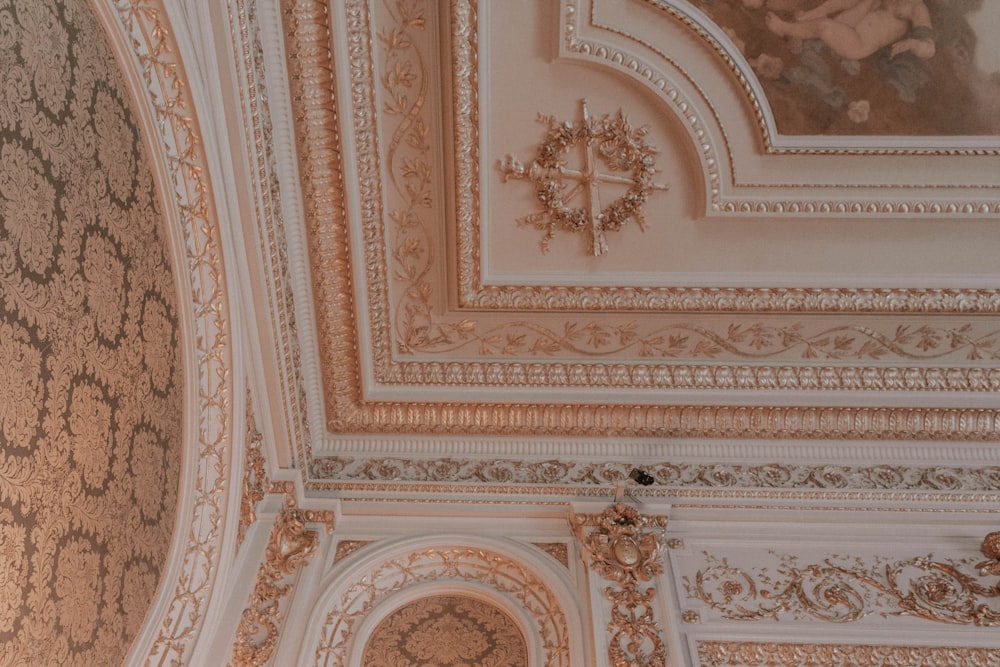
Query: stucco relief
x=447 y=631
x=90 y=381
x=505 y=577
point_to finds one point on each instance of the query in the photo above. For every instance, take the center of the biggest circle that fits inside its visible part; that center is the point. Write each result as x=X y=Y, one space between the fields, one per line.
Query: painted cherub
x=856 y=29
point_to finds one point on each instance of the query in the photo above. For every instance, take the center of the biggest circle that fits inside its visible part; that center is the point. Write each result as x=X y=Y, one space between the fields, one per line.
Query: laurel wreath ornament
x=612 y=141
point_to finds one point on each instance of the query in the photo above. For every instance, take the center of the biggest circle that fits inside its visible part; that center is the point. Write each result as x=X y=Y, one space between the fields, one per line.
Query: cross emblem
x=604 y=145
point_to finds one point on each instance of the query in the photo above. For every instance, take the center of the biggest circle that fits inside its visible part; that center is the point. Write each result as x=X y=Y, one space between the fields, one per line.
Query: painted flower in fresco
x=157 y=332
x=78 y=588
x=27 y=206
x=20 y=385
x=859 y=110
x=90 y=425
x=45 y=50
x=148 y=473
x=11 y=581
x=105 y=285
x=115 y=147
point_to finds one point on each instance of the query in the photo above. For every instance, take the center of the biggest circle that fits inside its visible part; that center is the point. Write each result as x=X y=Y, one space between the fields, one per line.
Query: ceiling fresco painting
x=870 y=67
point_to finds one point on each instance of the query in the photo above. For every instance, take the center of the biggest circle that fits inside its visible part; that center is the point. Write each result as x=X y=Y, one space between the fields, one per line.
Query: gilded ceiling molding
x=841 y=590
x=717 y=202
x=316 y=108
x=572 y=42
x=666 y=474
x=701 y=421
x=348 y=412
x=261 y=140
x=142 y=30
x=288 y=549
x=626 y=549
x=774 y=654
x=443 y=565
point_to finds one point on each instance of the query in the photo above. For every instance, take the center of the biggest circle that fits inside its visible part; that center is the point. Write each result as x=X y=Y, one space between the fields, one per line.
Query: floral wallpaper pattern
x=446 y=631
x=90 y=390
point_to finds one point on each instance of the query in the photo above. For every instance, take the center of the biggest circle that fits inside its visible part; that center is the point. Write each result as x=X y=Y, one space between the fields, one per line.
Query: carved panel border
x=143 y=32
x=443 y=565
x=348 y=412
x=774 y=654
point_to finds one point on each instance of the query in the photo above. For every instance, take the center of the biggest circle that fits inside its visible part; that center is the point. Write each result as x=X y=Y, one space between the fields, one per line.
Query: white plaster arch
x=375 y=580
x=147 y=51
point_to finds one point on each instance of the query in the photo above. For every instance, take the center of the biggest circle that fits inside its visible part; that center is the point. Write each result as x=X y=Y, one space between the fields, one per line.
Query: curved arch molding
x=146 y=46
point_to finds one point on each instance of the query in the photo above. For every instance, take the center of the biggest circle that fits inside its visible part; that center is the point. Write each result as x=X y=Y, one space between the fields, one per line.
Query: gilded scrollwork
x=845 y=590
x=443 y=565
x=288 y=550
x=990 y=549
x=255 y=478
x=775 y=654
x=626 y=548
x=774 y=476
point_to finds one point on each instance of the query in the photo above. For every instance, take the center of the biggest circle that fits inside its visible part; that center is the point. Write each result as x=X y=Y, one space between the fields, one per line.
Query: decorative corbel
x=626 y=548
x=289 y=548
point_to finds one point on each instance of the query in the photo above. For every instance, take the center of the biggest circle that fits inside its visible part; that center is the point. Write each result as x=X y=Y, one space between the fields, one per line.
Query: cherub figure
x=856 y=29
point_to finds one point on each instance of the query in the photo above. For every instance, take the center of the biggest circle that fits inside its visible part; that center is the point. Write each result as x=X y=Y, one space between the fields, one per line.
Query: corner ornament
x=609 y=153
x=289 y=548
x=626 y=548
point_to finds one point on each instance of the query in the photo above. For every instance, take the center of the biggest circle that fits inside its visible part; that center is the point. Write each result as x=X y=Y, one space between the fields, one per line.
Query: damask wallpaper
x=448 y=631
x=90 y=390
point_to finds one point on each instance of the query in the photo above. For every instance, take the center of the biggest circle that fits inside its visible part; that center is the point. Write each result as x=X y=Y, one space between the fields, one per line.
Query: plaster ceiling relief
x=422 y=244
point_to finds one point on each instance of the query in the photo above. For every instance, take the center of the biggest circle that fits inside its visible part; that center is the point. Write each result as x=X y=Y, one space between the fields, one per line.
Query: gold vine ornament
x=609 y=152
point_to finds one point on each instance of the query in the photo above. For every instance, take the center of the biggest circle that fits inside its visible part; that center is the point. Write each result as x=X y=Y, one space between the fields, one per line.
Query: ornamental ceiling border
x=443 y=565
x=320 y=163
x=713 y=653
x=473 y=294
x=142 y=36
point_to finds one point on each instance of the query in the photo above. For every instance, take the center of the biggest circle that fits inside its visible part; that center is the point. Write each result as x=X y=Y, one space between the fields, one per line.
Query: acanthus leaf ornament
x=604 y=143
x=626 y=548
x=288 y=550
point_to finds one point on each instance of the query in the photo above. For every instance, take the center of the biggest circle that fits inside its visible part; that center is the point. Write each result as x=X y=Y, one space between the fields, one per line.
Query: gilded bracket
x=288 y=550
x=626 y=548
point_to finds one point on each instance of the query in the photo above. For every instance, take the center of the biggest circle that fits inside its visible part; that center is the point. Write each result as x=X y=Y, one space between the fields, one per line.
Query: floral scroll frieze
x=847 y=589
x=771 y=476
x=774 y=654
x=626 y=549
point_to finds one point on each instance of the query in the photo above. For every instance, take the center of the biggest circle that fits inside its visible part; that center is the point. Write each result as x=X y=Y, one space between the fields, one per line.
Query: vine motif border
x=443 y=565
x=145 y=31
x=775 y=654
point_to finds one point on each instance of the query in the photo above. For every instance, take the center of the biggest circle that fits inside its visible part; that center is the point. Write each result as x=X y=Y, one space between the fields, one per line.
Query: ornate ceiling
x=483 y=259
